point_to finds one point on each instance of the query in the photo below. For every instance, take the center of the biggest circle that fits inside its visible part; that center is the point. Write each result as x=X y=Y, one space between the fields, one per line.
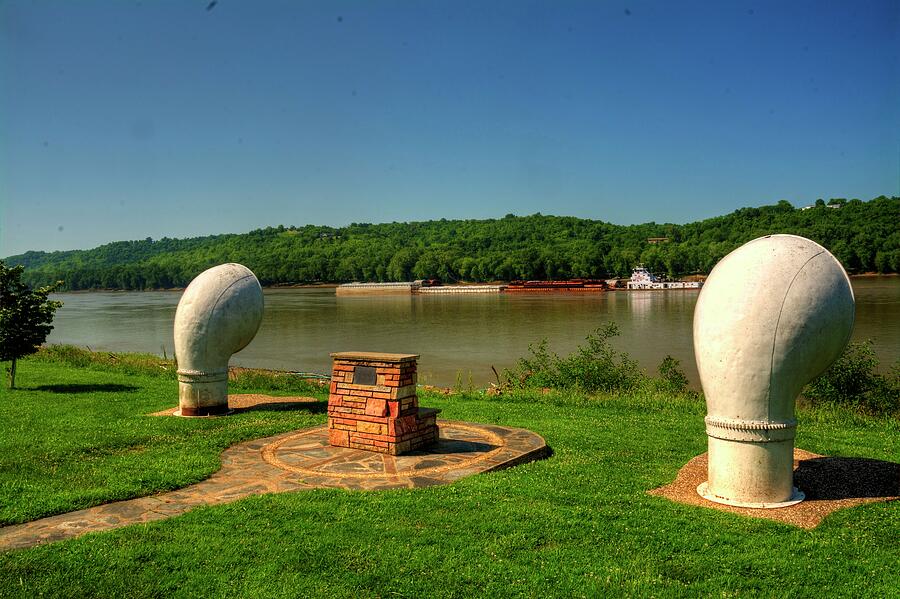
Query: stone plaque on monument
x=364 y=375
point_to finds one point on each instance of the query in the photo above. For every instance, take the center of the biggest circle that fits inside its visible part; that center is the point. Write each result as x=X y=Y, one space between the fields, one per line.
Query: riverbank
x=578 y=523
x=181 y=289
x=696 y=277
x=459 y=337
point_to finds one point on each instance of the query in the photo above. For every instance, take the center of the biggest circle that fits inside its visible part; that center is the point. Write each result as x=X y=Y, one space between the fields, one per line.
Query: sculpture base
x=796 y=497
x=204 y=412
x=749 y=473
x=202 y=393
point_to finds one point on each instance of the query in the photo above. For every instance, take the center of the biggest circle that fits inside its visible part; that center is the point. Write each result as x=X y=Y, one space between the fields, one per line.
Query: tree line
x=864 y=236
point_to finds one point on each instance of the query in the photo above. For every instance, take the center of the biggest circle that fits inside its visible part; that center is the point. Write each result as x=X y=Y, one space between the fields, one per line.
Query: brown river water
x=459 y=337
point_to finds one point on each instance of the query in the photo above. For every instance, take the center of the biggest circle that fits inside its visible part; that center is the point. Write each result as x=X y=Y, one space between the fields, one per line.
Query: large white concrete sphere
x=218 y=315
x=773 y=315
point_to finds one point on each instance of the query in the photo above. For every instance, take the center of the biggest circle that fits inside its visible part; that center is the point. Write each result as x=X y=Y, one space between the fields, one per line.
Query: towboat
x=641 y=278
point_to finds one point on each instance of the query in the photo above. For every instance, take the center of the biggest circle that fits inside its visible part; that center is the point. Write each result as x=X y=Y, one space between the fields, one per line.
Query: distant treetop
x=863 y=235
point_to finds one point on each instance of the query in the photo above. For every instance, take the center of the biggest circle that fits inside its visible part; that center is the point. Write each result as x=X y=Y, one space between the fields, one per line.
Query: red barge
x=570 y=285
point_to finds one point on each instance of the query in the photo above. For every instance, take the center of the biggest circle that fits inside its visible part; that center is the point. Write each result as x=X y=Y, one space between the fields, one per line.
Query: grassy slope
x=579 y=523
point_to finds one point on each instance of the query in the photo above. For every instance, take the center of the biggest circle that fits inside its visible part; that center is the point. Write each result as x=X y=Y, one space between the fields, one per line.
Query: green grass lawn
x=576 y=524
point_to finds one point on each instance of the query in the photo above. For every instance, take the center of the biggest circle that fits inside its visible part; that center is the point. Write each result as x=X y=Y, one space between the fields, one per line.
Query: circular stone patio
x=462 y=450
x=297 y=461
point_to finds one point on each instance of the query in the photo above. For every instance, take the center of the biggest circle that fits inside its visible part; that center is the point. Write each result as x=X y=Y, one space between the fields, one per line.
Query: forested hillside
x=865 y=236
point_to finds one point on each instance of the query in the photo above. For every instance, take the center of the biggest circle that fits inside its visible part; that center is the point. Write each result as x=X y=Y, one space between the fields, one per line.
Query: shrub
x=594 y=366
x=853 y=381
x=26 y=315
x=671 y=377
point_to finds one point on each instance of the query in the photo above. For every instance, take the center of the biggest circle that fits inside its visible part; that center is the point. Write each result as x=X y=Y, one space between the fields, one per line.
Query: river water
x=459 y=337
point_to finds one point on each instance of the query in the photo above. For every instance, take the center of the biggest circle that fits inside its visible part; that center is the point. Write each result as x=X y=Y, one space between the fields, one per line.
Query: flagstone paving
x=297 y=461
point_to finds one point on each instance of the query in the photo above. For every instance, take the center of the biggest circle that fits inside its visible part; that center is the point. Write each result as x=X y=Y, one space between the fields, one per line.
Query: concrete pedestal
x=202 y=393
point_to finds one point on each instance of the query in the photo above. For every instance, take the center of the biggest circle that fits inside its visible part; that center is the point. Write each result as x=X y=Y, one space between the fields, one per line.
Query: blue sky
x=125 y=120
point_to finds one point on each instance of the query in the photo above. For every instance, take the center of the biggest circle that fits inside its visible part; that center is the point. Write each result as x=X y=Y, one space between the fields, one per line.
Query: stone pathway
x=297 y=461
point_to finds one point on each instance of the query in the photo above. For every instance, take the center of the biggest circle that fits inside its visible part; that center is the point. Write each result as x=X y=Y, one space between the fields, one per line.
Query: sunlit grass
x=75 y=437
x=577 y=524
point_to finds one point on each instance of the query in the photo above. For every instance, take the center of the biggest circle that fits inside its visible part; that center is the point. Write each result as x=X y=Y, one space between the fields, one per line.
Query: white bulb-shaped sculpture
x=773 y=315
x=218 y=315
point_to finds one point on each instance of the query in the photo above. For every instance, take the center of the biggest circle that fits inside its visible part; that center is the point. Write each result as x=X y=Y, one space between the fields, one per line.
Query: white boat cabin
x=641 y=278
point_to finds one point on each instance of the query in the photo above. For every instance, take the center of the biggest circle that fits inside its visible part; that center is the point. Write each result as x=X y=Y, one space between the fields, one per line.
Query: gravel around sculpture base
x=830 y=484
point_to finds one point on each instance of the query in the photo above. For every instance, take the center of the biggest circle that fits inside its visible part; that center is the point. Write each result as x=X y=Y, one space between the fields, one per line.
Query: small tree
x=25 y=316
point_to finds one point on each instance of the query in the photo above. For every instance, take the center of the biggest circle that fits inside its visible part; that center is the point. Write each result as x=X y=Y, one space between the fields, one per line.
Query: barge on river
x=571 y=285
x=430 y=287
x=641 y=278
x=420 y=287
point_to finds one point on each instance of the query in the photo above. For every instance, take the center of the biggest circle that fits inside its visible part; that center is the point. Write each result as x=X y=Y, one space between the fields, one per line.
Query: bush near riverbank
x=853 y=381
x=577 y=524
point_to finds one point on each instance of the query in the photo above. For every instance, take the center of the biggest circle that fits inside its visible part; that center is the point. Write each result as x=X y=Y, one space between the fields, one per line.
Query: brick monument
x=373 y=404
